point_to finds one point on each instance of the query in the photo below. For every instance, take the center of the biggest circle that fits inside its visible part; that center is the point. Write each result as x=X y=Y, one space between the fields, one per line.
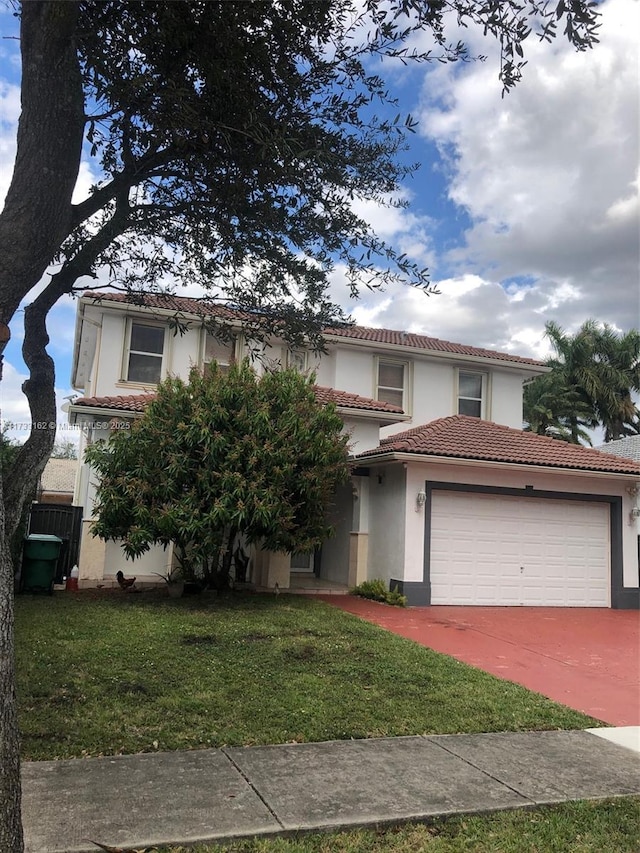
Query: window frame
x=297 y=353
x=406 y=374
x=309 y=569
x=134 y=321
x=224 y=365
x=484 y=392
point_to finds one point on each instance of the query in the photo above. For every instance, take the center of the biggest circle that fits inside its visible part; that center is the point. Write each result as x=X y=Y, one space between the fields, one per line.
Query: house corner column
x=277 y=570
x=92 y=559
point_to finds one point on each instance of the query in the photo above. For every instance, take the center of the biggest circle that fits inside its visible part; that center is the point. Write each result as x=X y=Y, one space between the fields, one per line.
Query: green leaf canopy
x=222 y=454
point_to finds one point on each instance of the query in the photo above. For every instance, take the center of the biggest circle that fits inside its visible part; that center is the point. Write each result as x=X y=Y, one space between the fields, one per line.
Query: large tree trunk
x=35 y=220
x=10 y=819
x=37 y=213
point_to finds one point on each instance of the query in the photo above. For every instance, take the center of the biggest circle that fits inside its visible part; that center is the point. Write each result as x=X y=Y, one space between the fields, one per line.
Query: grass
x=611 y=826
x=106 y=673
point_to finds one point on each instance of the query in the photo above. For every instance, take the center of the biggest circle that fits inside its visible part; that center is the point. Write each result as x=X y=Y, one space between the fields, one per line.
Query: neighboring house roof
x=136 y=403
x=464 y=437
x=628 y=447
x=59 y=475
x=386 y=337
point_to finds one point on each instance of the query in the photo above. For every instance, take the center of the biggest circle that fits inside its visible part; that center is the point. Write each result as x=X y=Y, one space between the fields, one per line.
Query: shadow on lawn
x=227 y=601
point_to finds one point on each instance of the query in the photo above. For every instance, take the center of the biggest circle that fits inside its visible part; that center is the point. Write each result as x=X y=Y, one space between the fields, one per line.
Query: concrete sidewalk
x=138 y=801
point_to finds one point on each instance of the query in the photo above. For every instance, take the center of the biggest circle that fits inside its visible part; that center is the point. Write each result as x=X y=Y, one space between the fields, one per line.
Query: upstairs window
x=297 y=360
x=146 y=349
x=471 y=393
x=218 y=350
x=391 y=384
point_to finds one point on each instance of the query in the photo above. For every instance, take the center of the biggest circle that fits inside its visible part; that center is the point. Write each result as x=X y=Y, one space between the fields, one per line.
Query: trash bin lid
x=42 y=537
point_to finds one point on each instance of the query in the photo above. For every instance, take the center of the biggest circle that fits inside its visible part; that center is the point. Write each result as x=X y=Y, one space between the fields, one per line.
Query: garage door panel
x=494 y=549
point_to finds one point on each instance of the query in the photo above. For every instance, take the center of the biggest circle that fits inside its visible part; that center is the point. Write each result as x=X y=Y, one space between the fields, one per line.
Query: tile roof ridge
x=431 y=426
x=565 y=453
x=402 y=332
x=377 y=334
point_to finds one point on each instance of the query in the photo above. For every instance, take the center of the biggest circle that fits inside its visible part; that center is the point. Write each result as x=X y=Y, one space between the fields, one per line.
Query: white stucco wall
x=354 y=371
x=432 y=391
x=324 y=366
x=506 y=398
x=157 y=561
x=364 y=434
x=108 y=364
x=181 y=352
x=418 y=473
x=387 y=495
x=185 y=352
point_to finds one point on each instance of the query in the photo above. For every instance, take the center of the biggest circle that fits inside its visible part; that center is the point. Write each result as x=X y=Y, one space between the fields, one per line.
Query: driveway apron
x=585 y=658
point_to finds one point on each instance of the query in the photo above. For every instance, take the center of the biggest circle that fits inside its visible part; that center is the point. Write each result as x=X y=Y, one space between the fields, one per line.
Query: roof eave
x=103 y=412
x=381 y=417
x=396 y=456
x=109 y=412
x=76 y=343
x=132 y=307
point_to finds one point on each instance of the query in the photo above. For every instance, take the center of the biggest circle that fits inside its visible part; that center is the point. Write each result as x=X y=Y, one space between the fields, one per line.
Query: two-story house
x=449 y=500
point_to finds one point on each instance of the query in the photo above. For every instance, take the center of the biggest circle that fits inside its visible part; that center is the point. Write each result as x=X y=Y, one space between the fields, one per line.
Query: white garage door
x=493 y=549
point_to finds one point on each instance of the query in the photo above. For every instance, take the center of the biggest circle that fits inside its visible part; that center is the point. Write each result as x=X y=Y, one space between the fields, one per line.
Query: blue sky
x=525 y=208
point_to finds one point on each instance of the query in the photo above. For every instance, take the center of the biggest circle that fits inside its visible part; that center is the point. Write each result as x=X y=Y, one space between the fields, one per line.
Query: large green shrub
x=224 y=455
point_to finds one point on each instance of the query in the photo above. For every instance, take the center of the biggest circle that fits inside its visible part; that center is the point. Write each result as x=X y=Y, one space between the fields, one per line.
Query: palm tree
x=619 y=360
x=593 y=375
x=552 y=409
x=577 y=373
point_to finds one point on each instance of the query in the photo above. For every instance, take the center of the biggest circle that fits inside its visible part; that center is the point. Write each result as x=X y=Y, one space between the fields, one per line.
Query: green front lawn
x=106 y=673
x=611 y=826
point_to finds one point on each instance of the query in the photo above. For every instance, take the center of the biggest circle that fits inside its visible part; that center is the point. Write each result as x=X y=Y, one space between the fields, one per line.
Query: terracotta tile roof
x=354 y=401
x=189 y=305
x=124 y=403
x=423 y=342
x=138 y=402
x=463 y=437
x=167 y=302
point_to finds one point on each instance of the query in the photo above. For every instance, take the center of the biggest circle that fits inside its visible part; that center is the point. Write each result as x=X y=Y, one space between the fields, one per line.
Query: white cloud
x=548 y=174
x=14 y=404
x=471 y=309
x=9 y=113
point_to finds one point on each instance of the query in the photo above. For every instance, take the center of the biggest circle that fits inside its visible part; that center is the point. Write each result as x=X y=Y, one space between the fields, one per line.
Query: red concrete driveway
x=586 y=658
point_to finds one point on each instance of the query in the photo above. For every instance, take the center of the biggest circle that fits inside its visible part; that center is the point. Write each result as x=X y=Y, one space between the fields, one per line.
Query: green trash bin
x=39 y=561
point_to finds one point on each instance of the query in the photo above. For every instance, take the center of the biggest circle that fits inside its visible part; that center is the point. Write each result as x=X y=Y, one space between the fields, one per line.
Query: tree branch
x=124 y=180
x=39 y=388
